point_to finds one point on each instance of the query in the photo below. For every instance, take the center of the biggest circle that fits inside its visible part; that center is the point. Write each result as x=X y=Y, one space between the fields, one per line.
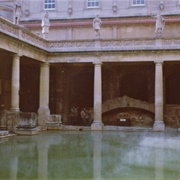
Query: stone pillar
x=69 y=33
x=15 y=83
x=97 y=123
x=44 y=111
x=159 y=42
x=114 y=32
x=159 y=122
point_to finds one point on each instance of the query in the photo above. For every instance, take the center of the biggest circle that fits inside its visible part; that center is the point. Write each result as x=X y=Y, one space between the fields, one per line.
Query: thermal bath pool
x=91 y=155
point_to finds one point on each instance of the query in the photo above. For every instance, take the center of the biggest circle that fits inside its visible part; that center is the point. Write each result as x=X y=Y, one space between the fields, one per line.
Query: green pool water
x=91 y=155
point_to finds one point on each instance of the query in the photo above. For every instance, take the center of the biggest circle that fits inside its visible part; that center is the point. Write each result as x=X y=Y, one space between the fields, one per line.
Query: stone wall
x=35 y=11
x=138 y=115
x=172 y=116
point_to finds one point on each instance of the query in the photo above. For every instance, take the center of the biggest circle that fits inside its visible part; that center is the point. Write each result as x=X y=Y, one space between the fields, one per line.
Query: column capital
x=115 y=27
x=45 y=64
x=98 y=62
x=69 y=28
x=158 y=62
x=16 y=56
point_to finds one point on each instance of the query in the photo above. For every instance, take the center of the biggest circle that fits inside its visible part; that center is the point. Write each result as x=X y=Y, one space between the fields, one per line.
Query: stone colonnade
x=97 y=124
x=159 y=102
x=43 y=110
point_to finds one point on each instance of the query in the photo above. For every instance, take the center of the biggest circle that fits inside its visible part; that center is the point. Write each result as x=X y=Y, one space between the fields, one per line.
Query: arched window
x=49 y=4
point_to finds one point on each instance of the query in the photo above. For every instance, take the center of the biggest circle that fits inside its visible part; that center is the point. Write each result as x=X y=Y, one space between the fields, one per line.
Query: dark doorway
x=71 y=85
x=29 y=85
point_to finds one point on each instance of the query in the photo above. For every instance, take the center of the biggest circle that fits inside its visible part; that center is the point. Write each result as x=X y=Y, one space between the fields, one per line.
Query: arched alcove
x=133 y=117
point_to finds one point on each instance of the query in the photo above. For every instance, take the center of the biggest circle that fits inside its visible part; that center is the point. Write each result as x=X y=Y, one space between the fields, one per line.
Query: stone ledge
x=5 y=134
x=24 y=131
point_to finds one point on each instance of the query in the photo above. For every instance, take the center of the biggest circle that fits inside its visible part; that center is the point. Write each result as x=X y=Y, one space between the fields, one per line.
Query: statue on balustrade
x=97 y=26
x=18 y=11
x=45 y=24
x=160 y=24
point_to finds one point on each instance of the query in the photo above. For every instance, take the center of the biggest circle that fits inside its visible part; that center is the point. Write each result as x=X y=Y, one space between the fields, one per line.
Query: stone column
x=44 y=111
x=15 y=83
x=69 y=33
x=97 y=124
x=159 y=123
x=114 y=32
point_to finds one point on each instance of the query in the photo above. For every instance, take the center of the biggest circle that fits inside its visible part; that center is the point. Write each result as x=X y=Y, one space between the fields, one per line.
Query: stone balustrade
x=113 y=45
x=22 y=34
x=7 y=28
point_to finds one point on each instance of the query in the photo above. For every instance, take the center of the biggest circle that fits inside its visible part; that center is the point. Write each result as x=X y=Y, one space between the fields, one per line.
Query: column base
x=158 y=126
x=97 y=126
x=43 y=114
x=15 y=110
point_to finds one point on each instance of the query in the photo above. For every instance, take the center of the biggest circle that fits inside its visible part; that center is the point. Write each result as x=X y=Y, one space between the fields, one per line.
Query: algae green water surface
x=91 y=155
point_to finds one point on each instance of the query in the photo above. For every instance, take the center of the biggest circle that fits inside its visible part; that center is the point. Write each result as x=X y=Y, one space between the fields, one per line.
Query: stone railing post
x=114 y=32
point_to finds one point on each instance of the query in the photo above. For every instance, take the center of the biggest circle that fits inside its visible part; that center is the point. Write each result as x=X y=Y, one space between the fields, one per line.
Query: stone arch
x=125 y=101
x=133 y=111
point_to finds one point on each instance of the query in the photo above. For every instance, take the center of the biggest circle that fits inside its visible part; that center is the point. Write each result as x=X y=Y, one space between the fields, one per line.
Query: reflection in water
x=91 y=155
x=97 y=148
